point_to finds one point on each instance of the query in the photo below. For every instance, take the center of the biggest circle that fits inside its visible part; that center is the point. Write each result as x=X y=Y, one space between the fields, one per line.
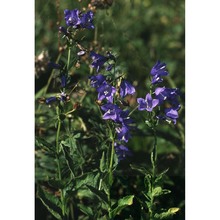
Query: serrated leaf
x=87 y=179
x=51 y=202
x=122 y=203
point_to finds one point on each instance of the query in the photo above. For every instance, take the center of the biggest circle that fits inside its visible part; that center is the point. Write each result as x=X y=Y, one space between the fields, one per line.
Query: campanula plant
x=85 y=124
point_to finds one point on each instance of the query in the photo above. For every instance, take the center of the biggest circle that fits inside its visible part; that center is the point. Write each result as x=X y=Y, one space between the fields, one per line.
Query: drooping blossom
x=158 y=70
x=126 y=88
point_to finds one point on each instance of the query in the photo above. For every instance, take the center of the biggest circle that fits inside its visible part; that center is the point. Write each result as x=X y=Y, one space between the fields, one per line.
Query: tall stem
x=153 y=161
x=58 y=160
x=110 y=179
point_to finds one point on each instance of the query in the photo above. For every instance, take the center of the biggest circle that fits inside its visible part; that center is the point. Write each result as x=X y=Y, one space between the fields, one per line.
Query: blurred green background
x=139 y=32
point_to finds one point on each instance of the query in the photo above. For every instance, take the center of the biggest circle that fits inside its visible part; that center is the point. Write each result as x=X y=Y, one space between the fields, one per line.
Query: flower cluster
x=100 y=60
x=161 y=95
x=77 y=19
x=107 y=94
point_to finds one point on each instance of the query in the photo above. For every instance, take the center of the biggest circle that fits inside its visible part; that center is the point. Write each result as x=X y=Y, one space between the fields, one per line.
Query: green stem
x=58 y=161
x=110 y=169
x=153 y=161
x=68 y=58
x=133 y=110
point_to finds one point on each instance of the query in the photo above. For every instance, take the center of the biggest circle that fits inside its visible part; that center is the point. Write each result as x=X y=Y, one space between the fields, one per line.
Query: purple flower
x=72 y=18
x=63 y=81
x=86 y=20
x=96 y=81
x=147 y=104
x=122 y=151
x=98 y=60
x=158 y=70
x=126 y=88
x=169 y=95
x=106 y=91
x=109 y=67
x=124 y=118
x=54 y=65
x=111 y=111
x=123 y=133
x=50 y=100
x=171 y=114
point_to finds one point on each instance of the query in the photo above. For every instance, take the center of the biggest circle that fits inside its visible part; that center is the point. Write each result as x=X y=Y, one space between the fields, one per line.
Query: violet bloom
x=98 y=60
x=106 y=91
x=122 y=152
x=63 y=81
x=96 y=81
x=158 y=70
x=147 y=104
x=171 y=114
x=54 y=65
x=126 y=88
x=111 y=111
x=169 y=95
x=51 y=99
x=124 y=118
x=86 y=20
x=123 y=133
x=72 y=18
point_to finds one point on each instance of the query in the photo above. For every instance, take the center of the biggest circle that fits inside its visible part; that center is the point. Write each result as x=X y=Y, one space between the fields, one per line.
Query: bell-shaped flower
x=106 y=91
x=126 y=88
x=158 y=70
x=122 y=151
x=86 y=20
x=72 y=18
x=123 y=133
x=148 y=103
x=98 y=60
x=111 y=111
x=96 y=81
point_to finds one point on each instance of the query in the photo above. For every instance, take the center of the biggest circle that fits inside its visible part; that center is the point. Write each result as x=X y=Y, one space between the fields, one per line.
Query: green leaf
x=122 y=203
x=51 y=202
x=160 y=176
x=102 y=196
x=40 y=142
x=69 y=161
x=86 y=209
x=87 y=179
x=157 y=191
x=167 y=214
x=139 y=169
x=103 y=163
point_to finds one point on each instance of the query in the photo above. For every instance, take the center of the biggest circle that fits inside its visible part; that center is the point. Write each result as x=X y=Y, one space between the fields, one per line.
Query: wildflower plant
x=84 y=126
